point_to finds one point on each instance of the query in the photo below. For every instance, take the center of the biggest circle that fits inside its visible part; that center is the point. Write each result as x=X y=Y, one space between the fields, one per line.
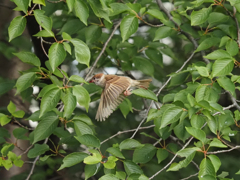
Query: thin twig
x=34 y=162
x=102 y=51
x=237 y=24
x=25 y=127
x=159 y=91
x=223 y=151
x=193 y=175
x=26 y=150
x=127 y=131
x=234 y=101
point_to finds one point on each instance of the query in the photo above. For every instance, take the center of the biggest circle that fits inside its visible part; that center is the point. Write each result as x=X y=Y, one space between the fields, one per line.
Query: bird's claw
x=127 y=93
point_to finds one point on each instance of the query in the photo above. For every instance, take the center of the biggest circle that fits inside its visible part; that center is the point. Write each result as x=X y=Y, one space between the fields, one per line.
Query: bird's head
x=98 y=79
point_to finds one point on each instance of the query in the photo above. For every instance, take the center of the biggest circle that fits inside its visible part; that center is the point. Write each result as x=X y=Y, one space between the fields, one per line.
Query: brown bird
x=116 y=88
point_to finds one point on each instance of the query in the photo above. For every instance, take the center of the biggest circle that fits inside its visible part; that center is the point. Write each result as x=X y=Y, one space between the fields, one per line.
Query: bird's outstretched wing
x=111 y=97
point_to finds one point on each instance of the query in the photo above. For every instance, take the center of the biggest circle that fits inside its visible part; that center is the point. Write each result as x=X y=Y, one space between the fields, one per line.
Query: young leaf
x=129 y=26
x=11 y=107
x=25 y=81
x=29 y=58
x=73 y=159
x=81 y=10
x=38 y=150
x=50 y=100
x=82 y=52
x=82 y=96
x=16 y=27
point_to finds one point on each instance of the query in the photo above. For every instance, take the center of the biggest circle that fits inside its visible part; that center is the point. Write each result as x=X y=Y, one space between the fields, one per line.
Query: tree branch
x=127 y=131
x=159 y=91
x=102 y=51
x=189 y=176
x=223 y=151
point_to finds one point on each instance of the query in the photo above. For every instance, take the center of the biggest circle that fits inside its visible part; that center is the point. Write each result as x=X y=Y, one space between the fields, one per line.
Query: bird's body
x=115 y=90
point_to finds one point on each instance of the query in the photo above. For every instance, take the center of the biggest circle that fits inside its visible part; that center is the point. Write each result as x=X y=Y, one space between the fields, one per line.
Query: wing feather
x=111 y=97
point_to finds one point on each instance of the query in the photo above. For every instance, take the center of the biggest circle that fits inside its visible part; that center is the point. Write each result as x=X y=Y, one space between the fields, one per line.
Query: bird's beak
x=91 y=81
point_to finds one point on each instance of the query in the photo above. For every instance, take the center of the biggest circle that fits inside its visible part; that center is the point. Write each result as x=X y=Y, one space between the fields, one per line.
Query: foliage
x=189 y=119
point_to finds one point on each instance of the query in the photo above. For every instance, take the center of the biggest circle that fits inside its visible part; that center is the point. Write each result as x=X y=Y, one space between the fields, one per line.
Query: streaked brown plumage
x=115 y=90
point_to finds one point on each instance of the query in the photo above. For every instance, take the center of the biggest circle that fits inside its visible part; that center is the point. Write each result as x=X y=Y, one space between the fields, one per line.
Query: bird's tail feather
x=144 y=83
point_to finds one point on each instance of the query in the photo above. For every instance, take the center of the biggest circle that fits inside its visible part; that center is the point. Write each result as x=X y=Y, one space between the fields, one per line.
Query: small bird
x=116 y=88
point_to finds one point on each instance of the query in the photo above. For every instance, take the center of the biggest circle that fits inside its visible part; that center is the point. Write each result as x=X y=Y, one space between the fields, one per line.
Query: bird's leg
x=127 y=92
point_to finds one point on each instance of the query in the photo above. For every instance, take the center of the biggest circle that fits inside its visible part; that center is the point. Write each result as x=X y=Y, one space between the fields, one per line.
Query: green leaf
x=67 y=47
x=108 y=177
x=227 y=84
x=82 y=96
x=222 y=67
x=201 y=92
x=6 y=85
x=50 y=100
x=197 y=133
x=206 y=168
x=155 y=56
x=197 y=121
x=22 y=5
x=38 y=150
x=171 y=115
x=70 y=102
x=162 y=154
x=203 y=71
x=46 y=89
x=84 y=118
x=144 y=65
x=19 y=133
x=215 y=161
x=70 y=4
x=201 y=16
x=29 y=58
x=19 y=114
x=125 y=107
x=217 y=143
x=77 y=79
x=207 y=43
x=89 y=140
x=81 y=10
x=129 y=25
x=232 y=47
x=11 y=107
x=131 y=168
x=56 y=54
x=218 y=54
x=111 y=162
x=6 y=148
x=44 y=21
x=115 y=152
x=45 y=127
x=94 y=159
x=4 y=120
x=144 y=154
x=117 y=8
x=93 y=33
x=73 y=159
x=180 y=130
x=44 y=33
x=98 y=10
x=189 y=153
x=39 y=2
x=91 y=170
x=130 y=144
x=81 y=128
x=217 y=18
x=25 y=81
x=145 y=94
x=82 y=52
x=224 y=40
x=163 y=32
x=156 y=13
x=16 y=27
